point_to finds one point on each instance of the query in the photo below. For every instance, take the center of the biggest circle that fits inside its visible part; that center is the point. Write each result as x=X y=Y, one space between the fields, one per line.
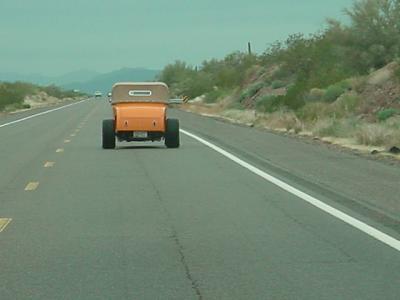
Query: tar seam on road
x=41 y=114
x=174 y=236
x=369 y=230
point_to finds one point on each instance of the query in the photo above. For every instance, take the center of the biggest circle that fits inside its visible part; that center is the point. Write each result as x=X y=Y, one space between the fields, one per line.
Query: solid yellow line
x=4 y=222
x=31 y=186
x=59 y=150
x=49 y=164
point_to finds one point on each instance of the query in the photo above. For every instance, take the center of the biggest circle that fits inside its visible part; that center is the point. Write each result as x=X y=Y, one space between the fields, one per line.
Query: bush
x=397 y=72
x=315 y=95
x=214 y=95
x=327 y=127
x=251 y=91
x=331 y=127
x=295 y=96
x=277 y=84
x=313 y=111
x=269 y=103
x=387 y=113
x=14 y=93
x=281 y=119
x=335 y=91
x=346 y=104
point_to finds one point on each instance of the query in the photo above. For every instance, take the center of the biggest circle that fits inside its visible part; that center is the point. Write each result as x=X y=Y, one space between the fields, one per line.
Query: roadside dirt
x=249 y=118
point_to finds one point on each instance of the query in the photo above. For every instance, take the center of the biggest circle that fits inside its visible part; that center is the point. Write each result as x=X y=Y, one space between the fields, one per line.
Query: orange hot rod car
x=140 y=114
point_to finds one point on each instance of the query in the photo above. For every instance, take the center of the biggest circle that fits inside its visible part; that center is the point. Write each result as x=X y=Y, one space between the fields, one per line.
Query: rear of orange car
x=140 y=114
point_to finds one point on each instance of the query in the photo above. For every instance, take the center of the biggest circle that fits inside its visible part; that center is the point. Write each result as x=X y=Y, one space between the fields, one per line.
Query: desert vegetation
x=343 y=81
x=19 y=95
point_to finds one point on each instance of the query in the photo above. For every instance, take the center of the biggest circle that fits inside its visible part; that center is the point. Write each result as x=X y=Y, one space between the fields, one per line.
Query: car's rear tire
x=108 y=134
x=172 y=134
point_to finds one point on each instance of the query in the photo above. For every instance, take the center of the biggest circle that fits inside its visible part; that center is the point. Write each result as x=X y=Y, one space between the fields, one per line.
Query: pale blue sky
x=57 y=36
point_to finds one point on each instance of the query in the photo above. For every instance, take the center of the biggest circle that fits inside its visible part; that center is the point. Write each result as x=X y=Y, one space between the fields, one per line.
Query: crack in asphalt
x=174 y=236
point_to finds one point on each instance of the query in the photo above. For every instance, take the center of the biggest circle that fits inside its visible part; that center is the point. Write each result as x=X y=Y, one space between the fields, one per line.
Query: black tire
x=108 y=134
x=172 y=133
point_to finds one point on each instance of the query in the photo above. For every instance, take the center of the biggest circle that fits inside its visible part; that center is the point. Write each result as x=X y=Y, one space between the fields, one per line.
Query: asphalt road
x=146 y=222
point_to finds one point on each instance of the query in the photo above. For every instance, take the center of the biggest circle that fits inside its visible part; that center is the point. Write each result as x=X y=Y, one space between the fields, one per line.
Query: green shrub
x=251 y=91
x=14 y=93
x=313 y=111
x=331 y=127
x=236 y=105
x=269 y=103
x=277 y=84
x=295 y=96
x=387 y=113
x=327 y=127
x=214 y=95
x=397 y=72
x=333 y=92
x=315 y=95
x=282 y=73
x=346 y=104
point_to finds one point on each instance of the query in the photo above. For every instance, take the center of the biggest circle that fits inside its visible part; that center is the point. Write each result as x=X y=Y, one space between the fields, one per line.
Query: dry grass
x=243 y=116
x=281 y=120
x=341 y=130
x=377 y=135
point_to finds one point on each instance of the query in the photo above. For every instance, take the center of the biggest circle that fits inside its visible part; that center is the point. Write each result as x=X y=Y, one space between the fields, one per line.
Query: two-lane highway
x=146 y=222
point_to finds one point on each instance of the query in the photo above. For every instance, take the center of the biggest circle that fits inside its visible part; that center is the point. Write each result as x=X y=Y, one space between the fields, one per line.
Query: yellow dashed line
x=59 y=150
x=49 y=164
x=31 y=186
x=4 y=222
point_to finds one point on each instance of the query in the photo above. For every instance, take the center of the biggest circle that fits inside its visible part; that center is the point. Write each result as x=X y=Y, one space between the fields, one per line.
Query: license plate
x=140 y=134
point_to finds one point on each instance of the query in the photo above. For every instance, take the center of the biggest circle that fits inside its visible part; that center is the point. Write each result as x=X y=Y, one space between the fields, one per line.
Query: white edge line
x=371 y=231
x=8 y=221
x=42 y=113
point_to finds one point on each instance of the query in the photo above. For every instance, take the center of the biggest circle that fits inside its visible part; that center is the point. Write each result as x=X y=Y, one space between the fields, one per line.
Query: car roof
x=140 y=92
x=145 y=83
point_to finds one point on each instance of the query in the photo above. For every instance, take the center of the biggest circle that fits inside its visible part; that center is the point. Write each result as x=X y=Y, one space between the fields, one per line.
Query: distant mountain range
x=85 y=80
x=104 y=82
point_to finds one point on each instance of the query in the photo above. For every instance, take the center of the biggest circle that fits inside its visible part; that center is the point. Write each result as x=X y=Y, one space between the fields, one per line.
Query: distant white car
x=98 y=94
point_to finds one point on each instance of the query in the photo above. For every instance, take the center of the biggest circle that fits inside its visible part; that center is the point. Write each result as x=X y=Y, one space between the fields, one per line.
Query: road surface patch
x=4 y=222
x=72 y=134
x=31 y=186
x=67 y=141
x=49 y=164
x=59 y=150
x=369 y=230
